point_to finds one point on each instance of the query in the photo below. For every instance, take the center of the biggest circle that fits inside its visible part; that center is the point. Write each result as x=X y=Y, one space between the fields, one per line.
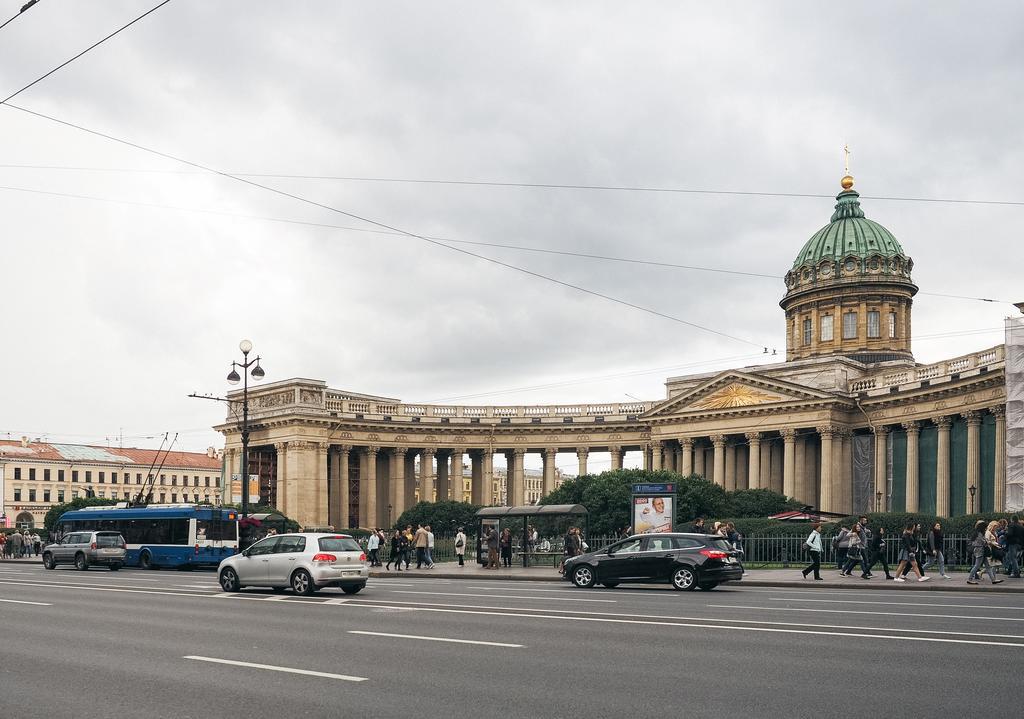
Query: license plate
x=350 y=574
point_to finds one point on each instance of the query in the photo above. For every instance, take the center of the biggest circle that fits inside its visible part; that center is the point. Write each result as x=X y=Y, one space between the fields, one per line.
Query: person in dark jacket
x=505 y=542
x=909 y=546
x=698 y=526
x=876 y=548
x=936 y=551
x=396 y=540
x=1014 y=539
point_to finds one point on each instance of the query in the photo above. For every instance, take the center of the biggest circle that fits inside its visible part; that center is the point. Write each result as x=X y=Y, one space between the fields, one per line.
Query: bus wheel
x=146 y=560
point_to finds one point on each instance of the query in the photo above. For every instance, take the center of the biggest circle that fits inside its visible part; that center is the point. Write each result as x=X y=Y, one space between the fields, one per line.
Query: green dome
x=849 y=234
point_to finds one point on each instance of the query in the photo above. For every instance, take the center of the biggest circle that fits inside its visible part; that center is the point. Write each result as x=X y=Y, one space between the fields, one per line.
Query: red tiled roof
x=90 y=454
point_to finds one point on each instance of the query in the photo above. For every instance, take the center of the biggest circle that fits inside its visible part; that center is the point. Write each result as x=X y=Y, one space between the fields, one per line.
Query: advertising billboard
x=653 y=514
x=236 y=489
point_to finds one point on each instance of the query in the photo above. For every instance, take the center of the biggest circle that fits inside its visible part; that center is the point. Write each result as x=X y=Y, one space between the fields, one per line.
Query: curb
x=773 y=583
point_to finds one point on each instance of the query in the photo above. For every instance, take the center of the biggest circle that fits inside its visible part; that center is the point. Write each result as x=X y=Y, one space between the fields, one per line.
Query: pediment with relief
x=736 y=391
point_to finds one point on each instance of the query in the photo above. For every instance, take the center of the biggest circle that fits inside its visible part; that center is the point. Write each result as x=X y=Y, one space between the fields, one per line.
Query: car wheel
x=114 y=567
x=609 y=585
x=48 y=562
x=229 y=580
x=708 y=586
x=583 y=576
x=684 y=579
x=353 y=588
x=302 y=583
x=146 y=560
x=81 y=563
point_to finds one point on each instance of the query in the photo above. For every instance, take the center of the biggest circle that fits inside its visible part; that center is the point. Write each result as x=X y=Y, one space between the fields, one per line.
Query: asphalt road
x=170 y=644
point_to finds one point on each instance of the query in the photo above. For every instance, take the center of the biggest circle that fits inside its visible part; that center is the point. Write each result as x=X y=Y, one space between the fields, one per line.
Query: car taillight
x=362 y=557
x=322 y=557
x=714 y=553
x=92 y=546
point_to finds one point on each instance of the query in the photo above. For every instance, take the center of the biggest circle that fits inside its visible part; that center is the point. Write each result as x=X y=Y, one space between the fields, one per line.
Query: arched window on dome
x=827 y=328
x=849 y=325
x=807 y=331
x=874 y=324
x=892 y=325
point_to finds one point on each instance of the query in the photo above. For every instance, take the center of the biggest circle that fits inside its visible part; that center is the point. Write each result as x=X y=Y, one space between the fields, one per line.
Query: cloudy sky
x=129 y=279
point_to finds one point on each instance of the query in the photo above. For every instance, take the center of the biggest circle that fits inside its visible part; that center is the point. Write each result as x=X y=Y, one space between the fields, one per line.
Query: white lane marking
x=337 y=600
x=19 y=601
x=91 y=588
x=725 y=627
x=506 y=596
x=574 y=591
x=436 y=639
x=899 y=604
x=271 y=667
x=876 y=614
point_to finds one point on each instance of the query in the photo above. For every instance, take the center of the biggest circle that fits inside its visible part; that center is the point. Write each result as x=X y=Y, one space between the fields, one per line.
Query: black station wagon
x=686 y=560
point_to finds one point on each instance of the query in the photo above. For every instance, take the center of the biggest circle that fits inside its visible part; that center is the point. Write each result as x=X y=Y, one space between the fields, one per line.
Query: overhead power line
x=529 y=185
x=386 y=226
x=543 y=250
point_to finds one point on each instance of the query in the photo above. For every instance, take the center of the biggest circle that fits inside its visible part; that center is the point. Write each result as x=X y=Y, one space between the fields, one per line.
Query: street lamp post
x=973 y=490
x=390 y=507
x=878 y=501
x=233 y=378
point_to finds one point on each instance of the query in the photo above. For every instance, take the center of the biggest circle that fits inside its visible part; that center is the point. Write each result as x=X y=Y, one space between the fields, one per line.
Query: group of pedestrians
x=403 y=542
x=18 y=545
x=991 y=545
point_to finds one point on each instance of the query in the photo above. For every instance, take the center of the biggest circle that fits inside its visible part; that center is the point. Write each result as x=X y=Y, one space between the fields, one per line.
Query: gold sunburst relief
x=736 y=395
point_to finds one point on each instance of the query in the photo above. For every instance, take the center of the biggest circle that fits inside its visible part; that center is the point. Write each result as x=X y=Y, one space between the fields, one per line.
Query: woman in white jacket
x=460 y=546
x=813 y=543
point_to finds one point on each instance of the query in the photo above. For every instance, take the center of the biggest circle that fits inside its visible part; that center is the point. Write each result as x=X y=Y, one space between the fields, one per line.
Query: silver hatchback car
x=305 y=562
x=83 y=549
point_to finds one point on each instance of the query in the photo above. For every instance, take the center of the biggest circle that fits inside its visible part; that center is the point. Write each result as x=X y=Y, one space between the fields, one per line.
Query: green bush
x=759 y=503
x=443 y=517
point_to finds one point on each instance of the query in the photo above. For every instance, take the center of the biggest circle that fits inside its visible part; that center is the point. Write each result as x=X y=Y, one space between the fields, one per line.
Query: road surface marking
x=271 y=667
x=19 y=601
x=899 y=604
x=436 y=639
x=506 y=596
x=874 y=614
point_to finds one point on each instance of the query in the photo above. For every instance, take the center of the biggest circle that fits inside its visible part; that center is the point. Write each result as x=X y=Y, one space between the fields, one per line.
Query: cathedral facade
x=848 y=423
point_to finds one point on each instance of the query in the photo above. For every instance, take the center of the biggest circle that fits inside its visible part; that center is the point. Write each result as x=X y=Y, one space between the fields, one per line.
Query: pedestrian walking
x=854 y=554
x=876 y=548
x=3 y=545
x=505 y=543
x=936 y=551
x=420 y=541
x=997 y=553
x=492 y=548
x=982 y=549
x=396 y=540
x=1014 y=539
x=460 y=547
x=909 y=546
x=841 y=545
x=813 y=546
x=17 y=542
x=430 y=546
x=373 y=547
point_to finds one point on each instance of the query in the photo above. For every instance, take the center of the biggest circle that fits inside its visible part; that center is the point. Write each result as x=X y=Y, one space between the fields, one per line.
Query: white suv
x=305 y=562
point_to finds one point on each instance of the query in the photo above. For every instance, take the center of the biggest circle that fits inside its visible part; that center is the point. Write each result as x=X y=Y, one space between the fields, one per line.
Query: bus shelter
x=548 y=521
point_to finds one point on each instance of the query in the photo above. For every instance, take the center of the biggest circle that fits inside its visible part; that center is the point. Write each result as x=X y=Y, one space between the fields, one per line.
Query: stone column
x=646 y=449
x=333 y=489
x=718 y=440
x=517 y=488
x=942 y=466
x=668 y=454
x=396 y=486
x=455 y=480
x=789 y=462
x=826 y=491
x=318 y=499
x=845 y=472
x=999 y=412
x=774 y=467
x=488 y=477
x=766 y=465
x=881 y=468
x=730 y=468
x=280 y=483
x=411 y=479
x=550 y=457
x=427 y=475
x=657 y=454
x=441 y=486
x=800 y=469
x=344 y=489
x=973 y=458
x=368 y=487
x=698 y=459
x=687 y=446
x=913 y=434
x=581 y=454
x=754 y=459
x=476 y=476
x=616 y=455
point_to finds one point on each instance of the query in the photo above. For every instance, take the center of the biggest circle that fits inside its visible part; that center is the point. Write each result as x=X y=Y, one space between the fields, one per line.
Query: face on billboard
x=652 y=514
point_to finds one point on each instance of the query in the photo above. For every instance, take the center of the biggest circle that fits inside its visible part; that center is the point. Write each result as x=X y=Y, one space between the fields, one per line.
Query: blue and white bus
x=164 y=535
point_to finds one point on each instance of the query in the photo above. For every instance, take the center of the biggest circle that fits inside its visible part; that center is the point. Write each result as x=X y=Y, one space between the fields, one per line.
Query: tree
x=758 y=503
x=50 y=520
x=442 y=517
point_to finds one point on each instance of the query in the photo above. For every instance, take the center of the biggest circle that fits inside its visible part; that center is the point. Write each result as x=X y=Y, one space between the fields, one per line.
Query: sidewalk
x=753 y=578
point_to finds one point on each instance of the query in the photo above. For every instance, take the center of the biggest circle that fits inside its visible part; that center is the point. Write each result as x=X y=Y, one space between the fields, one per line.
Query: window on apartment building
x=174 y=496
x=32 y=473
x=206 y=498
x=163 y=497
x=17 y=494
x=138 y=478
x=195 y=498
x=113 y=477
x=874 y=324
x=46 y=475
x=892 y=325
x=827 y=328
x=195 y=481
x=88 y=476
x=17 y=472
x=46 y=495
x=174 y=480
x=74 y=494
x=163 y=479
x=31 y=495
x=207 y=481
x=101 y=477
x=74 y=475
x=60 y=475
x=60 y=496
x=113 y=494
x=849 y=325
